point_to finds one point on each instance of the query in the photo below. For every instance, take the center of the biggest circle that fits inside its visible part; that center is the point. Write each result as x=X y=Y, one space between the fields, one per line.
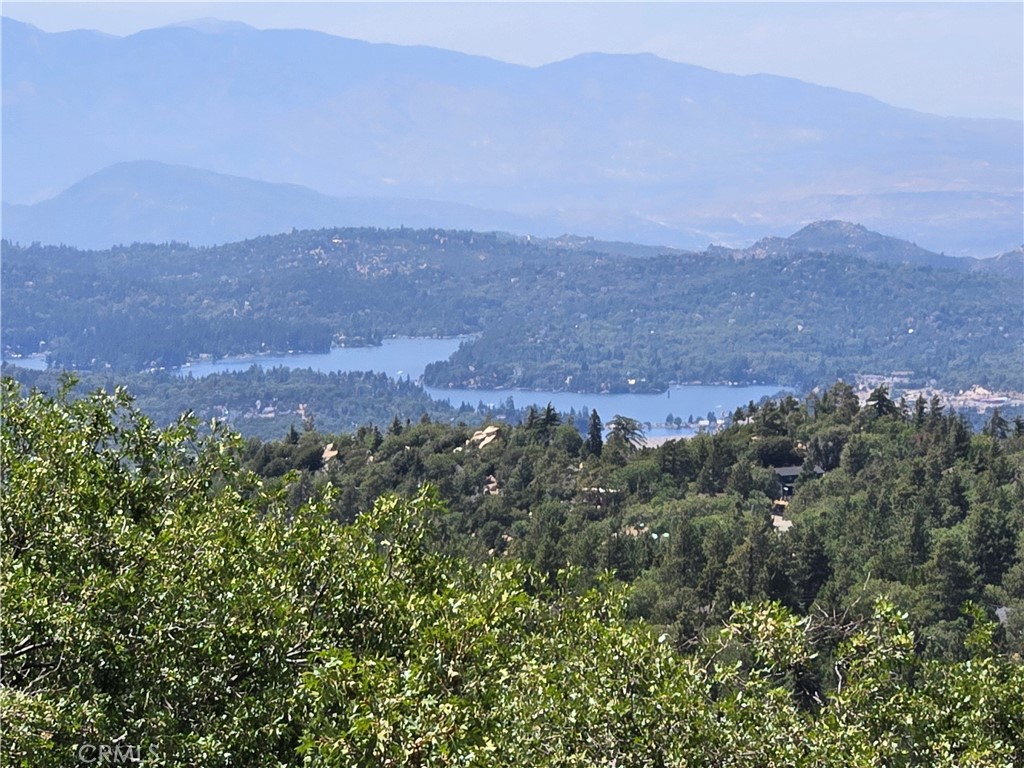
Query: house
x=788 y=477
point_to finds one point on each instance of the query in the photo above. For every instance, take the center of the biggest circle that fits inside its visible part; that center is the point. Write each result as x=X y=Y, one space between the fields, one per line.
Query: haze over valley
x=619 y=147
x=418 y=183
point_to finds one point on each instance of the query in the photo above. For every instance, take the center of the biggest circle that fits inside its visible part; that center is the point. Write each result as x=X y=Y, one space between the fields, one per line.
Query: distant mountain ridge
x=150 y=202
x=625 y=147
x=1009 y=264
x=147 y=201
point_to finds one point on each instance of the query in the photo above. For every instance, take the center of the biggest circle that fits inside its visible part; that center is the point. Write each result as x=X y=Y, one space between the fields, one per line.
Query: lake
x=683 y=401
x=36 y=362
x=409 y=357
x=398 y=358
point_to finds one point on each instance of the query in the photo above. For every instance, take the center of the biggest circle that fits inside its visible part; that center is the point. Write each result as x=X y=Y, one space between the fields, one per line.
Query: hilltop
x=561 y=313
x=145 y=201
x=843 y=237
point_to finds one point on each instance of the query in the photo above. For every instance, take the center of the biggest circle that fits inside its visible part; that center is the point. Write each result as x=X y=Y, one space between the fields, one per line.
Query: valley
x=542 y=315
x=504 y=385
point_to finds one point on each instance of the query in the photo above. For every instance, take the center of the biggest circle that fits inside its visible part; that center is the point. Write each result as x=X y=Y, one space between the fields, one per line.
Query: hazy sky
x=964 y=59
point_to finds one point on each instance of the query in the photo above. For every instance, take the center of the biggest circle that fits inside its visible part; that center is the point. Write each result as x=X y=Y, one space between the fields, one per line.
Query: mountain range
x=152 y=202
x=620 y=147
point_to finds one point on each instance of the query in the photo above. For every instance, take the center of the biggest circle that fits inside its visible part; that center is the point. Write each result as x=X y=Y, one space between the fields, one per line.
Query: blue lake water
x=683 y=401
x=409 y=357
x=35 y=362
x=398 y=358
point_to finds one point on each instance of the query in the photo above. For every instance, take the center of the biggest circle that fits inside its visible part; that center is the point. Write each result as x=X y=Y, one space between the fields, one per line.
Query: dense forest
x=266 y=403
x=370 y=577
x=544 y=313
x=887 y=498
x=432 y=594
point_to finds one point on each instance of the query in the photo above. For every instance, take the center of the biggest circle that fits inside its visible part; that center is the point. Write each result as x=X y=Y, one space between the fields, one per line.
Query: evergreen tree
x=626 y=431
x=157 y=593
x=997 y=426
x=920 y=411
x=595 y=436
x=881 y=404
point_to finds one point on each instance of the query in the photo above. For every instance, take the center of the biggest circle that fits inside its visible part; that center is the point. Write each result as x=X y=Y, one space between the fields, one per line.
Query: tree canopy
x=543 y=315
x=159 y=594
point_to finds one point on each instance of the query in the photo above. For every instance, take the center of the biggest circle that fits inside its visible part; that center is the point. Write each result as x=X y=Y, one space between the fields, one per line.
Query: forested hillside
x=281 y=311
x=546 y=314
x=894 y=499
x=266 y=403
x=188 y=597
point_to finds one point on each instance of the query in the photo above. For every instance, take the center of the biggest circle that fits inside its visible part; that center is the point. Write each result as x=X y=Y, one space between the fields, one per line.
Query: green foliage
x=266 y=403
x=595 y=435
x=156 y=593
x=918 y=509
x=625 y=432
x=546 y=315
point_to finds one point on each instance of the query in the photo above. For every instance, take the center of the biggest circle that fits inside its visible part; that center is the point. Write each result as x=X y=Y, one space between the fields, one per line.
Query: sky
x=946 y=58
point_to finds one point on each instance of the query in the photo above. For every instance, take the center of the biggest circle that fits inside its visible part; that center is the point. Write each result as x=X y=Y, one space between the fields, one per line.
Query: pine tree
x=595 y=438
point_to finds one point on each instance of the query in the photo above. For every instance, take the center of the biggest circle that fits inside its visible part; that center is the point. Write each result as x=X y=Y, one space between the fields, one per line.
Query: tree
x=825 y=448
x=951 y=577
x=996 y=426
x=157 y=594
x=711 y=476
x=840 y=402
x=920 y=411
x=991 y=536
x=881 y=404
x=626 y=432
x=177 y=611
x=740 y=482
x=595 y=437
x=541 y=426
